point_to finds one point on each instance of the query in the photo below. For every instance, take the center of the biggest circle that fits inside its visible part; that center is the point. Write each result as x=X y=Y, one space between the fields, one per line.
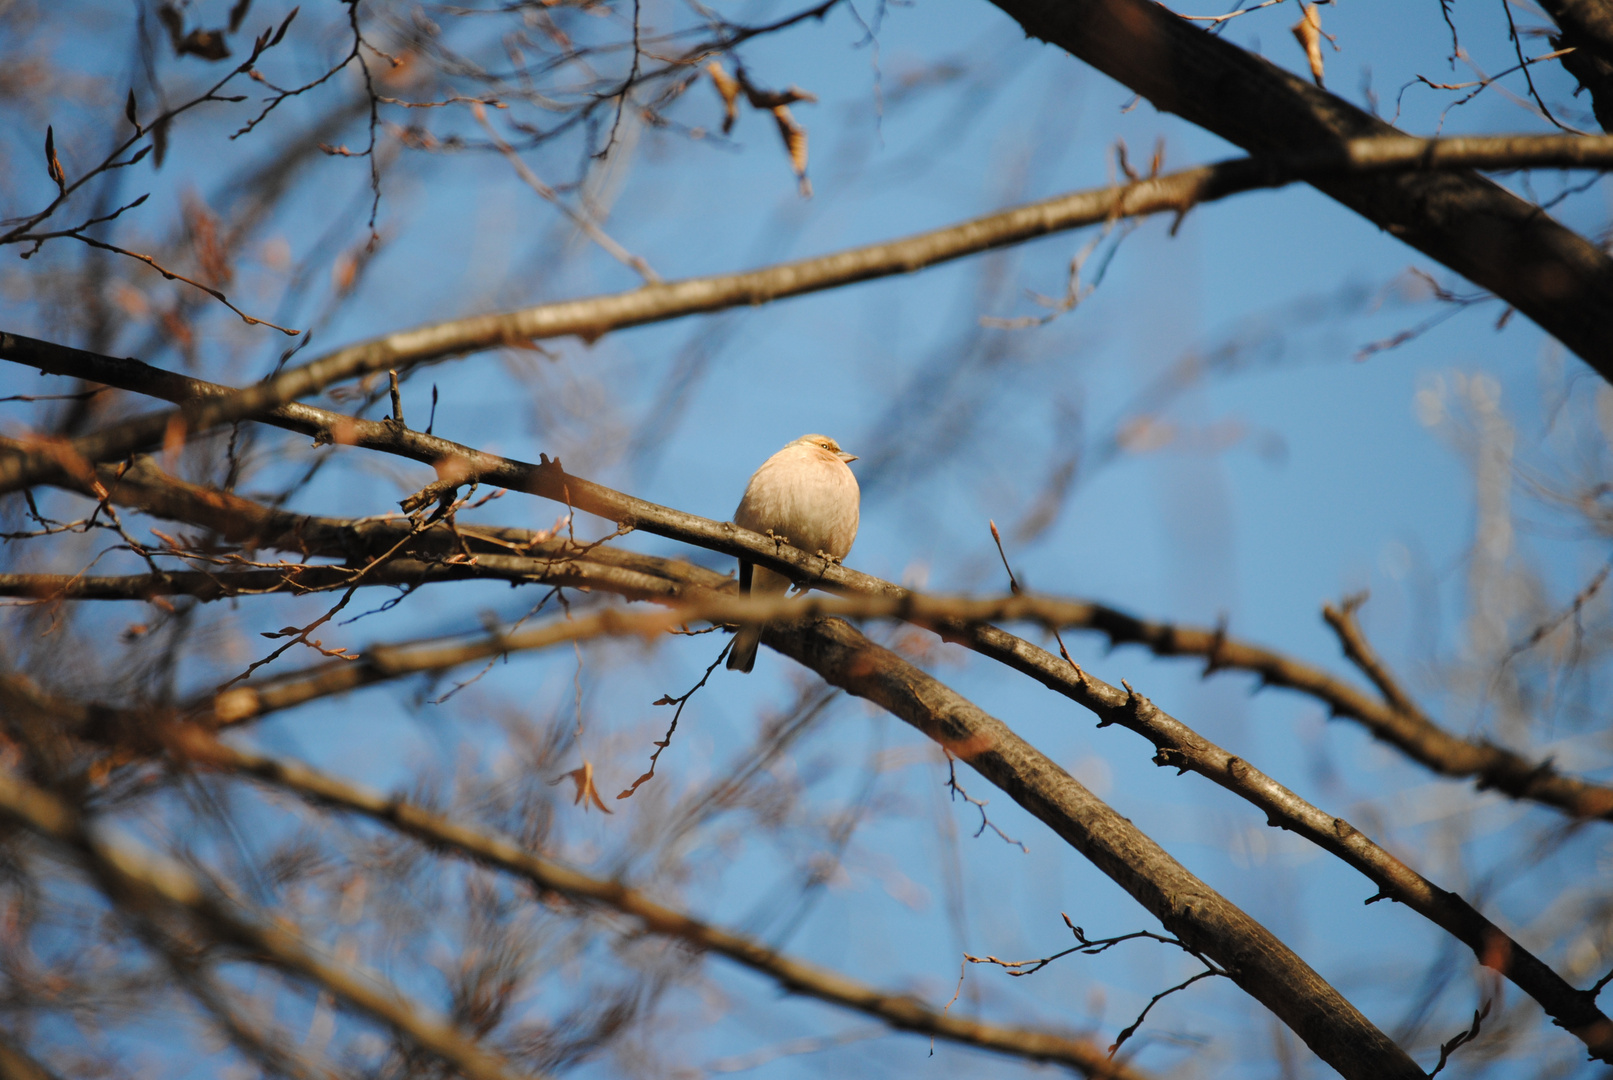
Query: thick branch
x=1187 y=907
x=298 y=580
x=797 y=976
x=17 y=1064
x=1262 y=965
x=1567 y=1005
x=1491 y=237
x=1587 y=28
x=243 y=520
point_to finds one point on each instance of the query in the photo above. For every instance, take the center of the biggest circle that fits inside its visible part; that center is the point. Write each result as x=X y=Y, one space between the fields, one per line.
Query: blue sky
x=1296 y=476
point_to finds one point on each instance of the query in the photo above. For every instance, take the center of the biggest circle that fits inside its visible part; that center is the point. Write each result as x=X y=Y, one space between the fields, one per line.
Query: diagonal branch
x=1176 y=744
x=797 y=976
x=1486 y=234
x=962 y=621
x=1421 y=739
x=1397 y=720
x=137 y=880
x=1188 y=907
x=1203 y=919
x=589 y=319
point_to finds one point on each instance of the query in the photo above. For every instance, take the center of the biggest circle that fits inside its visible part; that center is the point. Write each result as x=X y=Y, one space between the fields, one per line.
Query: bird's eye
x=826 y=446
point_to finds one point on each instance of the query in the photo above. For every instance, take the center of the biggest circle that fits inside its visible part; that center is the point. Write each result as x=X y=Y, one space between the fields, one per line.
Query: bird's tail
x=743 y=655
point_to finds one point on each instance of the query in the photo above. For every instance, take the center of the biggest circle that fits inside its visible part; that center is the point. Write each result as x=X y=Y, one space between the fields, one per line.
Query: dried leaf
x=128 y=110
x=1308 y=32
x=174 y=22
x=584 y=779
x=159 y=140
x=772 y=99
x=237 y=13
x=795 y=141
x=207 y=44
x=729 y=90
x=53 y=164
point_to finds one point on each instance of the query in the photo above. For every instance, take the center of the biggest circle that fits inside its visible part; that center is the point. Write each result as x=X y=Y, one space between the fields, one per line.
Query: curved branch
x=1403 y=725
x=1427 y=743
x=1573 y=1009
x=956 y=619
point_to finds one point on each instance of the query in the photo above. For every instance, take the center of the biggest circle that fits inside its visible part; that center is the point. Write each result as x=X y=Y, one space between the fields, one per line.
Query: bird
x=806 y=496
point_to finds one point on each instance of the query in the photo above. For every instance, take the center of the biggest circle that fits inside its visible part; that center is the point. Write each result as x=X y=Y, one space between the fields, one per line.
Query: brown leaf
x=280 y=33
x=1308 y=32
x=729 y=90
x=207 y=44
x=772 y=99
x=174 y=22
x=584 y=779
x=212 y=258
x=159 y=139
x=53 y=164
x=795 y=141
x=237 y=13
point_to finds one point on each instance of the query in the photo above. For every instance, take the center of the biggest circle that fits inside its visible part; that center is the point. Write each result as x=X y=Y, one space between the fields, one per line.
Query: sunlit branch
x=592 y=318
x=1188 y=907
x=17 y=1064
x=1176 y=744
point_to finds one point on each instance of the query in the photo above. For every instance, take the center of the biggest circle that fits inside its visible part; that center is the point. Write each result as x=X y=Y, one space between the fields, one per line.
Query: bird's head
x=823 y=442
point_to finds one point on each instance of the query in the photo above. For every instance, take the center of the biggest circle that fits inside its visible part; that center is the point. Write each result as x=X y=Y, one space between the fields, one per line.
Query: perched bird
x=806 y=496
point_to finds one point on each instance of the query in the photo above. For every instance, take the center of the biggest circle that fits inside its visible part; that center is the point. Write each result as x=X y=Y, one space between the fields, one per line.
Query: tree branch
x=1204 y=920
x=1177 y=746
x=797 y=976
x=1544 y=262
x=1427 y=743
x=1111 y=704
x=243 y=520
x=1489 y=236
x=136 y=879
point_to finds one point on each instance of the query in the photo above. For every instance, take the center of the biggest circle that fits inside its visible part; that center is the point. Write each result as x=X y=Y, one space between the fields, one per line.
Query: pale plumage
x=806 y=495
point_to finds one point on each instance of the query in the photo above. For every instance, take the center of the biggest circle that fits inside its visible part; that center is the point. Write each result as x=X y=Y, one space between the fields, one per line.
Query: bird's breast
x=813 y=503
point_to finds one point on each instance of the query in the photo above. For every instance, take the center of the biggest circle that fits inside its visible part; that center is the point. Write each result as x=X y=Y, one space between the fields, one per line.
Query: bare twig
x=583 y=222
x=679 y=702
x=956 y=790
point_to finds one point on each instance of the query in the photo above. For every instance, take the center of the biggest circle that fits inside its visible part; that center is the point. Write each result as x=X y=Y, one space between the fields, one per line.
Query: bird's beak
x=847 y=458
